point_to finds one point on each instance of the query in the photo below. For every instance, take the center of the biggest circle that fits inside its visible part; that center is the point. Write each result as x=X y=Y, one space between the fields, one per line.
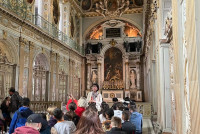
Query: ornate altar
x=115 y=66
x=113 y=84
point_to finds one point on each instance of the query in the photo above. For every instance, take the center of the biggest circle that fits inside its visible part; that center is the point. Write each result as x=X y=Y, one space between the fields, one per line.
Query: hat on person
x=35 y=118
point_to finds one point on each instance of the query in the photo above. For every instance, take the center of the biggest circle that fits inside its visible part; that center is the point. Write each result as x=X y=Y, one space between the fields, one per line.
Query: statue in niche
x=132 y=79
x=94 y=77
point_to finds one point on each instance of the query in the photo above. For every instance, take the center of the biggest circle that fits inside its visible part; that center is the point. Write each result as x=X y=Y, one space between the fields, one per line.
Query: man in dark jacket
x=116 y=125
x=127 y=126
x=20 y=116
x=14 y=101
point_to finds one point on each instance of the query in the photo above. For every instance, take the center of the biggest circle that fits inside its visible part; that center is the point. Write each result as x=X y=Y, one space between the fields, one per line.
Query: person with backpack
x=21 y=115
x=15 y=101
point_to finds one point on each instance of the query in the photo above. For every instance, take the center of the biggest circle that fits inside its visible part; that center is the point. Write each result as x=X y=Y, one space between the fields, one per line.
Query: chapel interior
x=146 y=50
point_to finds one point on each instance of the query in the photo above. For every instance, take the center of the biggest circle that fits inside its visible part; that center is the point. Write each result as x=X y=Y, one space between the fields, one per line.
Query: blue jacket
x=136 y=120
x=19 y=118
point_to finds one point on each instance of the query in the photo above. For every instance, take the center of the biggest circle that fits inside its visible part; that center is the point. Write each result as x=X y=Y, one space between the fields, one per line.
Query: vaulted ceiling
x=111 y=8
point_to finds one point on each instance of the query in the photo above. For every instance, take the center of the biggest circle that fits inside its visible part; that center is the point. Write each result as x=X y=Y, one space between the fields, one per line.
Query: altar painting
x=113 y=65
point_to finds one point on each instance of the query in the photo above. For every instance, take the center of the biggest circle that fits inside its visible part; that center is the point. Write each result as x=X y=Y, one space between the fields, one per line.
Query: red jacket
x=79 y=110
x=26 y=130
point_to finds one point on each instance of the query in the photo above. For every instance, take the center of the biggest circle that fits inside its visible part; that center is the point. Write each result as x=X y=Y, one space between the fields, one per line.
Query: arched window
x=40 y=75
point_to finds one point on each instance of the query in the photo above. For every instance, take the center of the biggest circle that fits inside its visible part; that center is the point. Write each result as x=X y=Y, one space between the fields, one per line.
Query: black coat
x=115 y=130
x=128 y=127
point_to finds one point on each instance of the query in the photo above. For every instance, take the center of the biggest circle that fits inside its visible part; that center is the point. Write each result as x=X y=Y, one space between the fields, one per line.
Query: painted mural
x=113 y=65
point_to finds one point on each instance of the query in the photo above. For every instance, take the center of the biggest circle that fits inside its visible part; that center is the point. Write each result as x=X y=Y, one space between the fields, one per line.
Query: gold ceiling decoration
x=107 y=8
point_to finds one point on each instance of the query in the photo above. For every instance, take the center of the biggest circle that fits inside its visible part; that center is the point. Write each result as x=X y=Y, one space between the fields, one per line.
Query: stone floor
x=147 y=127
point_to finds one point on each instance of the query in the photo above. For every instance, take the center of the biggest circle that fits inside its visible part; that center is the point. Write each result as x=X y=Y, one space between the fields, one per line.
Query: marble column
x=30 y=76
x=67 y=13
x=22 y=43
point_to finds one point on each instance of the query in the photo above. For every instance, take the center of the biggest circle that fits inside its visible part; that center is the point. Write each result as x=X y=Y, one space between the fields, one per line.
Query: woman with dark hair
x=95 y=96
x=104 y=107
x=93 y=123
x=106 y=124
x=81 y=104
x=71 y=115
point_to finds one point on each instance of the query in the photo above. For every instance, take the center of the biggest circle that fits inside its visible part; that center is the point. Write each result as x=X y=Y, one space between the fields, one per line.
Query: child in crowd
x=51 y=120
x=62 y=126
x=116 y=126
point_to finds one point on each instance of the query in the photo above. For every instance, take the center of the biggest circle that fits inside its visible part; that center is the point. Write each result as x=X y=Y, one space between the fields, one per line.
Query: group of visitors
x=89 y=115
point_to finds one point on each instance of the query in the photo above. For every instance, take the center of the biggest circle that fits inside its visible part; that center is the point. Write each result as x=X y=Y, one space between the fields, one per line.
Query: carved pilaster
x=99 y=63
x=31 y=53
x=51 y=95
x=88 y=73
x=22 y=43
x=126 y=59
x=57 y=75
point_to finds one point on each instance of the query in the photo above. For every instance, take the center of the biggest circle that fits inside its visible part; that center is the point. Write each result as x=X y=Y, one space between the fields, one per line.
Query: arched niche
x=40 y=78
x=96 y=26
x=126 y=29
x=8 y=60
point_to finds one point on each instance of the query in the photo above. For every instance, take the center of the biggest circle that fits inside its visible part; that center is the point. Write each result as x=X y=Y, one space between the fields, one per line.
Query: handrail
x=20 y=9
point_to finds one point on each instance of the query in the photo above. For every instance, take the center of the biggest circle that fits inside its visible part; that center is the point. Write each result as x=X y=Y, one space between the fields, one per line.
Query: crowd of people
x=89 y=115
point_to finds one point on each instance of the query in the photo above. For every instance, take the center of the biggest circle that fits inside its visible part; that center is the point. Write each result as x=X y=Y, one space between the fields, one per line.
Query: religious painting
x=56 y=12
x=112 y=5
x=113 y=69
x=86 y=4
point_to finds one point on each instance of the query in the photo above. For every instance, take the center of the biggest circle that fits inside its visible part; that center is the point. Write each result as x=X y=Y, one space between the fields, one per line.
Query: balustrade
x=20 y=9
x=42 y=106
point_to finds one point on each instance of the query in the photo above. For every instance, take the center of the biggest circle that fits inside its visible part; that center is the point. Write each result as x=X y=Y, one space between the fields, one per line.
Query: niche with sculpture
x=133 y=77
x=94 y=77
